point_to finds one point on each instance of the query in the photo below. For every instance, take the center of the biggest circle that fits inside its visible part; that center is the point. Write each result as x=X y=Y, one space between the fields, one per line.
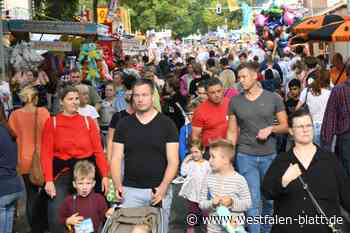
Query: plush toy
x=88 y=61
x=231 y=226
x=103 y=70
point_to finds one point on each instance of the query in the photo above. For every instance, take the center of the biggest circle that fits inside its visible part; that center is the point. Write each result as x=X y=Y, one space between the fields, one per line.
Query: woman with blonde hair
x=27 y=124
x=229 y=82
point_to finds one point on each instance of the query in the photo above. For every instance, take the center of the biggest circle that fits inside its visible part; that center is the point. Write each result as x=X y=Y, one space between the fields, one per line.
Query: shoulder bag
x=36 y=176
x=305 y=107
x=335 y=228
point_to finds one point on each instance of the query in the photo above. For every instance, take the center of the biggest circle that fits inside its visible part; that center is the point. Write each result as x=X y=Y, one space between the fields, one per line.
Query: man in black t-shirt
x=148 y=143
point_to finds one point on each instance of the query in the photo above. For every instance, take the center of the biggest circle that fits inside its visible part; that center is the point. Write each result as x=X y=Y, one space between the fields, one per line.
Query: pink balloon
x=288 y=18
x=286 y=50
x=260 y=20
x=286 y=8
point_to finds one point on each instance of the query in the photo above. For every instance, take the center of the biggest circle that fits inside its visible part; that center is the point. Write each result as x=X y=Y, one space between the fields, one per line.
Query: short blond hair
x=82 y=88
x=225 y=145
x=28 y=95
x=84 y=169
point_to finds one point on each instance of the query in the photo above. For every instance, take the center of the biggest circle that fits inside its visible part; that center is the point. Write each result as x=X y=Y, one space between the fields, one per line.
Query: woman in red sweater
x=66 y=139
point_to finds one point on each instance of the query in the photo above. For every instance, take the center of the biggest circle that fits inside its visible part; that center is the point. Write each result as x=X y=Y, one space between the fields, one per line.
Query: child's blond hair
x=196 y=143
x=82 y=88
x=226 y=146
x=84 y=169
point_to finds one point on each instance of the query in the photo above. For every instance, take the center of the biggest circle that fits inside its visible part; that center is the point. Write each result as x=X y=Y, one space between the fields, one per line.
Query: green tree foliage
x=56 y=9
x=183 y=17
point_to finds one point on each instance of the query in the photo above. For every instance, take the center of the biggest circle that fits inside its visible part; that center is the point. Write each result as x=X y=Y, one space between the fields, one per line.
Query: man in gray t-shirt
x=251 y=117
x=251 y=125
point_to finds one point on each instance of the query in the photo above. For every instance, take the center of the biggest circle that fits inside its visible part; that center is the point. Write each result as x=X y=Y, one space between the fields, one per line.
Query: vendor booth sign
x=52 y=46
x=54 y=27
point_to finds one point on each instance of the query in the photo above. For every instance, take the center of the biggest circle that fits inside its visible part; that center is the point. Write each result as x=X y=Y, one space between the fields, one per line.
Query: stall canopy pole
x=348 y=8
x=2 y=54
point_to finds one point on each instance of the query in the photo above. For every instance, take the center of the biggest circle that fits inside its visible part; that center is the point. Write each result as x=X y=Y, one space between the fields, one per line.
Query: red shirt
x=93 y=206
x=71 y=138
x=212 y=119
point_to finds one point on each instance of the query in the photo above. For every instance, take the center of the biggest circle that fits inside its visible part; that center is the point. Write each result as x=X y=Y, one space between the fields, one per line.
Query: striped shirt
x=234 y=186
x=336 y=120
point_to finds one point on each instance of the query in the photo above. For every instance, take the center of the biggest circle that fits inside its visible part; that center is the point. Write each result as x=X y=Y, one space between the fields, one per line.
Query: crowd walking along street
x=174 y=116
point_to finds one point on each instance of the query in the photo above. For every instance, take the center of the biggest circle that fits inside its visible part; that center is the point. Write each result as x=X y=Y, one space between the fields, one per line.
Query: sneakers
x=178 y=180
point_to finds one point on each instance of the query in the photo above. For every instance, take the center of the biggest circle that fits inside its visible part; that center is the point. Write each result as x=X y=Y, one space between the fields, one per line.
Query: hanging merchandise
x=23 y=57
x=107 y=53
x=272 y=25
x=88 y=62
x=103 y=70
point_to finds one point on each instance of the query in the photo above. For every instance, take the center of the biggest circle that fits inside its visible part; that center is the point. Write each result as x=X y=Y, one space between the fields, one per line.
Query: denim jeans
x=7 y=211
x=136 y=197
x=253 y=168
x=104 y=135
x=317 y=133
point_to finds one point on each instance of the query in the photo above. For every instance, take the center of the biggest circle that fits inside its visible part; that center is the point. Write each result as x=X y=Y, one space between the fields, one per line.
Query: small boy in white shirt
x=224 y=187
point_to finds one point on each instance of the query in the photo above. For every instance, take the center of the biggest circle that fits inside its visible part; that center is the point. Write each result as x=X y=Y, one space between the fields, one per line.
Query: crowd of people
x=236 y=130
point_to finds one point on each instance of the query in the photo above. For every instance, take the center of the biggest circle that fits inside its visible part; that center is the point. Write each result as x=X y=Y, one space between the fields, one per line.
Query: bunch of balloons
x=271 y=27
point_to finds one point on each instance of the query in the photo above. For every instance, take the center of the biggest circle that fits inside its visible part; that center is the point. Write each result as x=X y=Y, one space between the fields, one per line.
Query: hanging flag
x=125 y=19
x=232 y=5
x=247 y=15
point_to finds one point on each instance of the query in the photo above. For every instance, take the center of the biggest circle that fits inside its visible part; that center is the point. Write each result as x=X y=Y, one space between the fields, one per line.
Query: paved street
x=177 y=225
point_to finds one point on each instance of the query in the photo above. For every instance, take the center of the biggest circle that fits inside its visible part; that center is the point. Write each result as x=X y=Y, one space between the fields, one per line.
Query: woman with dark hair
x=174 y=104
x=316 y=98
x=306 y=166
x=11 y=187
x=186 y=79
x=119 y=103
x=68 y=138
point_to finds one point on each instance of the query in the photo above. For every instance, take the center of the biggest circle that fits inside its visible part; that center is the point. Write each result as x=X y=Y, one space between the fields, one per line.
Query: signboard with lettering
x=56 y=27
x=102 y=13
x=132 y=46
x=52 y=45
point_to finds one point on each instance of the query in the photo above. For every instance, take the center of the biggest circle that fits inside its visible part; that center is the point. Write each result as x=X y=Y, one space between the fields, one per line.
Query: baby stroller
x=124 y=220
